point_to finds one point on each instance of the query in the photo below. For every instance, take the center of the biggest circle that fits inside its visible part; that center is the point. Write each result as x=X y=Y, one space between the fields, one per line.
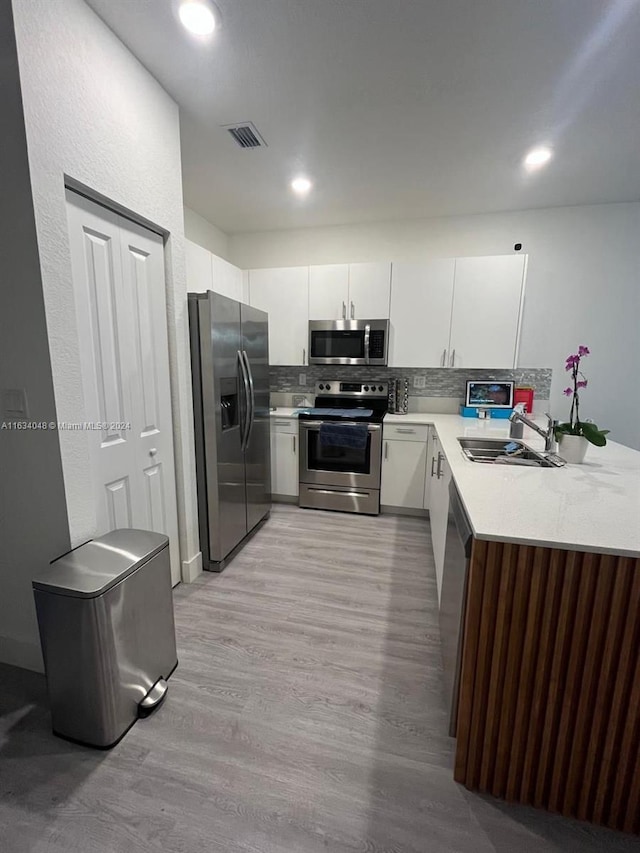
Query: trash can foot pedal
x=153 y=699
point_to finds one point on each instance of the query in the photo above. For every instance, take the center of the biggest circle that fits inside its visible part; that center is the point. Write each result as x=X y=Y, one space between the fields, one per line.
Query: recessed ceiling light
x=301 y=185
x=537 y=157
x=197 y=17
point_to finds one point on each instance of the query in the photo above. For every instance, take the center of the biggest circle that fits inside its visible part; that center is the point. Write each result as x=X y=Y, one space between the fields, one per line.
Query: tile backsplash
x=438 y=382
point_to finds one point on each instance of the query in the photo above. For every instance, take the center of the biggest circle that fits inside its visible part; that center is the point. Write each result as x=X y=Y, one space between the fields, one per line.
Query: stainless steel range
x=341 y=447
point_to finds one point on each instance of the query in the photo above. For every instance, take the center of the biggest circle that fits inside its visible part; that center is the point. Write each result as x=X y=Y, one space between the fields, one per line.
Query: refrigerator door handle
x=244 y=427
x=252 y=397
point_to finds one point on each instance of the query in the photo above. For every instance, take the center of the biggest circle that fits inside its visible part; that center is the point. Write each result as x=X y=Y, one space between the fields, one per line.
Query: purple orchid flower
x=582 y=351
x=581 y=384
x=568 y=392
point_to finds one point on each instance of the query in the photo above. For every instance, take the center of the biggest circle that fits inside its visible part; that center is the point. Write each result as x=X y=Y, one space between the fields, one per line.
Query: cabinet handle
x=433 y=462
x=439 y=471
x=406 y=430
x=443 y=360
x=294 y=444
x=304 y=356
x=282 y=423
x=344 y=310
x=452 y=360
x=386 y=450
x=353 y=311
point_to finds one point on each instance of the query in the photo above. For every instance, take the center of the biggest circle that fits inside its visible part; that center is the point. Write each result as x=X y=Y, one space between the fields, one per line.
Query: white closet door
x=486 y=308
x=421 y=295
x=118 y=281
x=329 y=292
x=142 y=255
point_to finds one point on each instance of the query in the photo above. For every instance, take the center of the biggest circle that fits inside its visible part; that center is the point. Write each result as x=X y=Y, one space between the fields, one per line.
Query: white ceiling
x=397 y=108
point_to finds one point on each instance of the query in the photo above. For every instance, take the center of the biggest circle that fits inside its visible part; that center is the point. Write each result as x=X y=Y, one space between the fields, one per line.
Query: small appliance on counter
x=399 y=396
x=488 y=398
x=524 y=395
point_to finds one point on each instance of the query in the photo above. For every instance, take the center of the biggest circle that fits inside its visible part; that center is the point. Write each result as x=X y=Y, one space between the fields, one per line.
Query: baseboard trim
x=404 y=510
x=21 y=653
x=192 y=569
x=285 y=499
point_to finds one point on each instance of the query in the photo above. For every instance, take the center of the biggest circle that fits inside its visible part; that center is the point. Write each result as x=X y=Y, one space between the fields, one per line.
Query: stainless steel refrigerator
x=230 y=370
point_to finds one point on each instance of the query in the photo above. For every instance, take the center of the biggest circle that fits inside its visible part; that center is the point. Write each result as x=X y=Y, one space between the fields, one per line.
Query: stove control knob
x=321 y=386
x=380 y=388
x=366 y=387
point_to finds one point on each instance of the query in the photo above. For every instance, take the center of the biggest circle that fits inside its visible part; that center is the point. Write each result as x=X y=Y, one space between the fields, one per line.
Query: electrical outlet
x=419 y=381
x=302 y=379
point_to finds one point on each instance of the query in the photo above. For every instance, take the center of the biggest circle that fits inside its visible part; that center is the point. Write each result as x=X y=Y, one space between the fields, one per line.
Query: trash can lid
x=93 y=568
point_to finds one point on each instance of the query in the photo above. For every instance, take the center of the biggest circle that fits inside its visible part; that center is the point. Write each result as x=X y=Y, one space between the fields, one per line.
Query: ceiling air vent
x=246 y=135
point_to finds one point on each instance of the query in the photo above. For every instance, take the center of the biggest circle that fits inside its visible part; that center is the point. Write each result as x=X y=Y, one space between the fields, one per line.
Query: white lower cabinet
x=404 y=459
x=440 y=475
x=284 y=457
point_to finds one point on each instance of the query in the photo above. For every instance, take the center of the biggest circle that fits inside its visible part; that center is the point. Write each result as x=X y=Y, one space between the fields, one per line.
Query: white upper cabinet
x=328 y=292
x=369 y=291
x=284 y=295
x=227 y=278
x=349 y=291
x=199 y=268
x=421 y=297
x=486 y=311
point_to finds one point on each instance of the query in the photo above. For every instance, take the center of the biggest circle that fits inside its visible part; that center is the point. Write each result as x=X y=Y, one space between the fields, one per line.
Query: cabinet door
x=284 y=295
x=199 y=269
x=421 y=297
x=403 y=467
x=328 y=292
x=369 y=291
x=227 y=279
x=486 y=311
x=439 y=511
x=284 y=463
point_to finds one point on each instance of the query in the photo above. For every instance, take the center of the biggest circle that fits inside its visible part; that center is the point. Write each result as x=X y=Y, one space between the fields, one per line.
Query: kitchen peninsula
x=549 y=691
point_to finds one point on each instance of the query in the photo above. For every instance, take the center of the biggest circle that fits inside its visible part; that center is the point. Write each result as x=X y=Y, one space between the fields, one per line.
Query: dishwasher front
x=457 y=555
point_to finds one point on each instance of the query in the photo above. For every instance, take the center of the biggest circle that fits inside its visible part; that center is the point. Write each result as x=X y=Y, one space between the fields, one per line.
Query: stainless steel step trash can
x=105 y=613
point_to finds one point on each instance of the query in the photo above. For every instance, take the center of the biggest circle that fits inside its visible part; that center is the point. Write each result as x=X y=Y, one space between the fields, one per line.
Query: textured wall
x=445 y=382
x=33 y=518
x=582 y=285
x=94 y=114
x=200 y=231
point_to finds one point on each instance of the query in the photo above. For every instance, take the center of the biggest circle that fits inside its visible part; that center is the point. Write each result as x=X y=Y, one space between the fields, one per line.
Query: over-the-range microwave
x=348 y=341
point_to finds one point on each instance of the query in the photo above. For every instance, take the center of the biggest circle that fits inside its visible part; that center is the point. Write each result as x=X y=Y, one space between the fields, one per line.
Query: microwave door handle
x=367 y=333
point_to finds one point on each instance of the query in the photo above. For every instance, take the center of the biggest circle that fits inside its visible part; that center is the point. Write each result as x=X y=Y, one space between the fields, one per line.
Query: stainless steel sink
x=491 y=451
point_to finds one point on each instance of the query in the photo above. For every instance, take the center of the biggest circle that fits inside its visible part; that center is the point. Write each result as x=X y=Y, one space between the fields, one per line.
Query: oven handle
x=315 y=424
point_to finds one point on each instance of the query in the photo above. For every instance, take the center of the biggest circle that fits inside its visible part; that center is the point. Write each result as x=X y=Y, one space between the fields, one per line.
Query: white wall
x=33 y=519
x=583 y=286
x=204 y=233
x=94 y=114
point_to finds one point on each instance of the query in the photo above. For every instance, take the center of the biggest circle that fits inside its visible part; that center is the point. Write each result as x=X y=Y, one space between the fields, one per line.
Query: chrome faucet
x=548 y=434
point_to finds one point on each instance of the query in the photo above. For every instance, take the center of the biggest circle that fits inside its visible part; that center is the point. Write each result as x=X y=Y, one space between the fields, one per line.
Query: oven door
x=340 y=466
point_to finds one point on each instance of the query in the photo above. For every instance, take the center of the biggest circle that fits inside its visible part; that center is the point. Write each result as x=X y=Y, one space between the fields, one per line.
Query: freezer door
x=255 y=333
x=224 y=415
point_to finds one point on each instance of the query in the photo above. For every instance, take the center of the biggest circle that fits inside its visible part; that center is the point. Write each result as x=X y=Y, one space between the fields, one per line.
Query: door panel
x=486 y=308
x=421 y=296
x=369 y=291
x=255 y=332
x=329 y=292
x=220 y=342
x=144 y=283
x=119 y=290
x=284 y=295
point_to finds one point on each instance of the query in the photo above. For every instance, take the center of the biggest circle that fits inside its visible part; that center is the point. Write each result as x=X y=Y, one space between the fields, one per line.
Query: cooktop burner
x=359 y=401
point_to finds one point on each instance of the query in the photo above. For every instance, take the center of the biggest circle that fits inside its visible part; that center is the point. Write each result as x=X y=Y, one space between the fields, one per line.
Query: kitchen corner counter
x=285 y=412
x=591 y=507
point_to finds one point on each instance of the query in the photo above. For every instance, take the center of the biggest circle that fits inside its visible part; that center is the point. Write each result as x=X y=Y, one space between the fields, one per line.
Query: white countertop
x=590 y=507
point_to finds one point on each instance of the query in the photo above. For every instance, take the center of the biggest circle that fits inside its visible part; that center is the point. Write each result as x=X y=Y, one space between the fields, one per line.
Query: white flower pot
x=572 y=448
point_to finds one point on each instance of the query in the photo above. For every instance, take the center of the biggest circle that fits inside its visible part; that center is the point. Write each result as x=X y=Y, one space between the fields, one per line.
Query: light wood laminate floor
x=305 y=715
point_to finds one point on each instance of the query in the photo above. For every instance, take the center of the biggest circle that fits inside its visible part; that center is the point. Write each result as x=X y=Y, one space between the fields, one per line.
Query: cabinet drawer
x=410 y=432
x=285 y=425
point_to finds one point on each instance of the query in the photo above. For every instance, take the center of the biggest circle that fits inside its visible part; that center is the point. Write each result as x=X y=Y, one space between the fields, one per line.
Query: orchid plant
x=574 y=426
